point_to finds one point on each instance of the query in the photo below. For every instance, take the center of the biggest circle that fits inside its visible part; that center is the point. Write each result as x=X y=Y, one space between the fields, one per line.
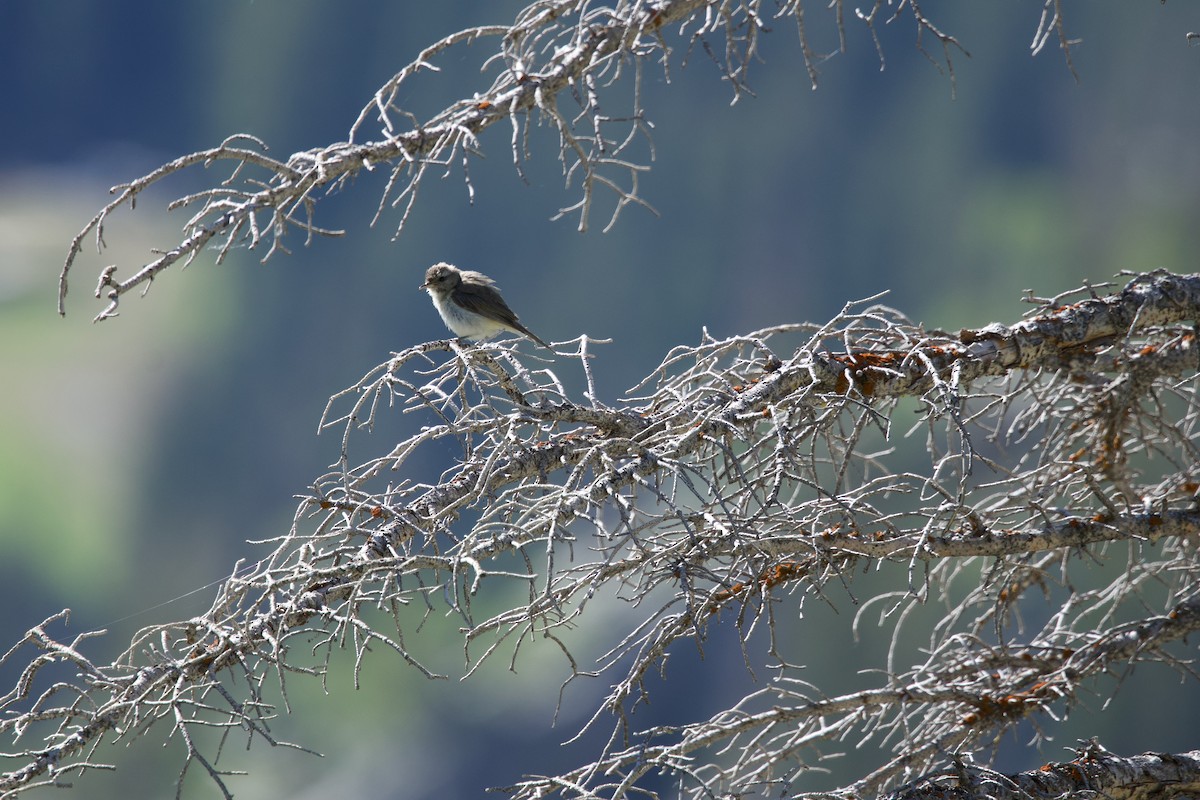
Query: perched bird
x=470 y=303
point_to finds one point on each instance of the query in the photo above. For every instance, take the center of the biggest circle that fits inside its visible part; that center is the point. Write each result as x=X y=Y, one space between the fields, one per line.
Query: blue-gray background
x=139 y=455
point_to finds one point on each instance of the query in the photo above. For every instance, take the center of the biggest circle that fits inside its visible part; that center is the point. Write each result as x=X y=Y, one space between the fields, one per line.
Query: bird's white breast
x=466 y=324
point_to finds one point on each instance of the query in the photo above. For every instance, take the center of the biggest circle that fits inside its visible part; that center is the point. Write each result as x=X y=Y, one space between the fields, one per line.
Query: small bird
x=470 y=303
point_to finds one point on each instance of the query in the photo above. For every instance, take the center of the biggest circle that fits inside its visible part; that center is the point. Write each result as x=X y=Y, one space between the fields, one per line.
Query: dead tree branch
x=558 y=65
x=1093 y=772
x=742 y=477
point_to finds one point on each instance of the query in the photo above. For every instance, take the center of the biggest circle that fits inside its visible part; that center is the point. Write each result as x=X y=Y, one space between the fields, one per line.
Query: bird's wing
x=469 y=275
x=486 y=301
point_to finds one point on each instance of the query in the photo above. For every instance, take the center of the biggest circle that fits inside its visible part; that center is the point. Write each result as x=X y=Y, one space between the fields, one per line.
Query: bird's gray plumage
x=470 y=304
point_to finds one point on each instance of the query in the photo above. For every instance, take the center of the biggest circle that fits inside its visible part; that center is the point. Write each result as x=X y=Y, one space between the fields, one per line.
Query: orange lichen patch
x=767 y=579
x=864 y=369
x=1005 y=705
x=781 y=572
x=721 y=595
x=861 y=370
x=728 y=594
x=1112 y=446
x=1009 y=705
x=867 y=359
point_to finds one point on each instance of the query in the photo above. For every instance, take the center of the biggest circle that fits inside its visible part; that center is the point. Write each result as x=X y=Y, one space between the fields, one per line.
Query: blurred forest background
x=139 y=455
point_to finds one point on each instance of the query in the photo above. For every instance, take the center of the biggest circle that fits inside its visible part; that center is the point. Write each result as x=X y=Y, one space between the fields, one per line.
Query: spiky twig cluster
x=743 y=475
x=558 y=65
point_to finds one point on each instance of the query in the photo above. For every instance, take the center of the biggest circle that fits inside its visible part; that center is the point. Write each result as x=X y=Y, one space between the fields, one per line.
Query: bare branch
x=741 y=475
x=1051 y=23
x=558 y=64
x=1093 y=771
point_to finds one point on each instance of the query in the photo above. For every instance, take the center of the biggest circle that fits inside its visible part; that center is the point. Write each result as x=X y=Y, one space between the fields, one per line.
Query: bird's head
x=441 y=278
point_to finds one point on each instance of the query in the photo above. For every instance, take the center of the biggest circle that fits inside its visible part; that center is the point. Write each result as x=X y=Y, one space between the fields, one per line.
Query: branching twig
x=741 y=474
x=557 y=64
